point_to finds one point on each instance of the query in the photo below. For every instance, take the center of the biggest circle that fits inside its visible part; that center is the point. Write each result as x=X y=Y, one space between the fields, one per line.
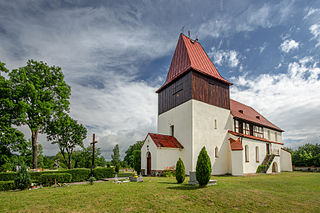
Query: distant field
x=285 y=192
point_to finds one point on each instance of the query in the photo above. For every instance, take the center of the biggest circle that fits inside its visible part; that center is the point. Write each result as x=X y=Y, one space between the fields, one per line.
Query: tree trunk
x=64 y=157
x=35 y=147
x=69 y=158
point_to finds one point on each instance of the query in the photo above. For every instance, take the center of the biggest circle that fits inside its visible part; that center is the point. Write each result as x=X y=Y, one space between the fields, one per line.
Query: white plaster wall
x=181 y=118
x=277 y=160
x=168 y=158
x=237 y=162
x=205 y=134
x=252 y=165
x=153 y=150
x=285 y=161
x=272 y=135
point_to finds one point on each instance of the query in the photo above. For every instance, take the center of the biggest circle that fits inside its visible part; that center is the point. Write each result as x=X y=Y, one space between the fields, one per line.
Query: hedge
x=125 y=174
x=6 y=176
x=48 y=179
x=100 y=173
x=7 y=185
x=78 y=175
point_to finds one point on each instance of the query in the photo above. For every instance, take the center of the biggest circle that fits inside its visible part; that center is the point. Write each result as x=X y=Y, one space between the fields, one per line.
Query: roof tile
x=165 y=141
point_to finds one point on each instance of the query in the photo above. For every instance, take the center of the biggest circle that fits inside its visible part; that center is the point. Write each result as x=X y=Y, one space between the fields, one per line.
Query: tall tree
x=83 y=158
x=41 y=92
x=68 y=134
x=116 y=156
x=11 y=140
x=129 y=157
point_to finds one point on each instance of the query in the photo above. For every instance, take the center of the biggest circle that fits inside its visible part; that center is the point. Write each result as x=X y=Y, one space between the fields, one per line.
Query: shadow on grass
x=175 y=183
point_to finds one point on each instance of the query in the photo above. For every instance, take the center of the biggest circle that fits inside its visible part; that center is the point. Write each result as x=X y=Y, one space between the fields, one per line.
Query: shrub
x=6 y=176
x=261 y=168
x=180 y=171
x=137 y=161
x=78 y=175
x=7 y=185
x=91 y=180
x=48 y=179
x=100 y=173
x=22 y=180
x=203 y=169
x=168 y=173
x=125 y=174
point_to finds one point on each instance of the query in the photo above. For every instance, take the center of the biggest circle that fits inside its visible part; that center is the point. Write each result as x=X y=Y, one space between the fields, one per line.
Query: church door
x=268 y=149
x=149 y=164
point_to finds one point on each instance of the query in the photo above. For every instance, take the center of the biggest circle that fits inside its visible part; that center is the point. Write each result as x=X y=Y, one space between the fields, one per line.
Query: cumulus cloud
x=230 y=58
x=289 y=45
x=291 y=100
x=315 y=31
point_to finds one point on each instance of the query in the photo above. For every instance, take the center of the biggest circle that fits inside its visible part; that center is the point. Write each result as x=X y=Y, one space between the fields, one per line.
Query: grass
x=285 y=192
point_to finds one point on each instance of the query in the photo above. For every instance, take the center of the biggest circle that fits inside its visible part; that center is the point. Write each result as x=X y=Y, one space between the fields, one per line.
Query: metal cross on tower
x=93 y=150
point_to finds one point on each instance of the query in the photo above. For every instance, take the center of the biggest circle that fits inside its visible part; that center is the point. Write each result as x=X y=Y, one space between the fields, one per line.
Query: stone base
x=193 y=180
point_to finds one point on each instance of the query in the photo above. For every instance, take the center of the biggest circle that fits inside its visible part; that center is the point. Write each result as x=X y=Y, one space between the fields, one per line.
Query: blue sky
x=115 y=54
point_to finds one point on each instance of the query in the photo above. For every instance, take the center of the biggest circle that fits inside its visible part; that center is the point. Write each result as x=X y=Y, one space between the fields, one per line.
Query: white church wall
x=285 y=161
x=275 y=161
x=149 y=146
x=169 y=158
x=180 y=117
x=205 y=133
x=270 y=134
x=237 y=162
x=252 y=164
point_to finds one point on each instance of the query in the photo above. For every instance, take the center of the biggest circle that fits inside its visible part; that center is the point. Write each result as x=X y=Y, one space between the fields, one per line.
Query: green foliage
x=116 y=156
x=91 y=180
x=168 y=173
x=125 y=174
x=306 y=155
x=48 y=178
x=180 y=171
x=101 y=173
x=83 y=158
x=79 y=175
x=137 y=161
x=40 y=93
x=7 y=185
x=261 y=168
x=7 y=176
x=117 y=167
x=129 y=157
x=68 y=134
x=22 y=180
x=203 y=168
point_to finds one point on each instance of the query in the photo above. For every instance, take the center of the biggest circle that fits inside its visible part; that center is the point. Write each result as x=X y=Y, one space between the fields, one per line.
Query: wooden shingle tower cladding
x=192 y=75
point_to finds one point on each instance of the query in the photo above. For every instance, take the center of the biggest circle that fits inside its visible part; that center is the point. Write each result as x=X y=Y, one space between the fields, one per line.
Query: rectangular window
x=215 y=124
x=246 y=129
x=236 y=125
x=258 y=131
x=172 y=130
x=269 y=136
x=276 y=136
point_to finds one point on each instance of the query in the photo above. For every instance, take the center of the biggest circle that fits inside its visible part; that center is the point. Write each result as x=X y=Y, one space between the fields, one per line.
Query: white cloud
x=263 y=47
x=228 y=57
x=289 y=45
x=315 y=31
x=291 y=100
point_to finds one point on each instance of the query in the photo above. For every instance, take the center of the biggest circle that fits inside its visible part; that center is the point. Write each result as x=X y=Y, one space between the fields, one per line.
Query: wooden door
x=149 y=164
x=268 y=149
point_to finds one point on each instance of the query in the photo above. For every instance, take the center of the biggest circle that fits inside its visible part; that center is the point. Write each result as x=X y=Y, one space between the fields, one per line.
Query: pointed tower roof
x=189 y=54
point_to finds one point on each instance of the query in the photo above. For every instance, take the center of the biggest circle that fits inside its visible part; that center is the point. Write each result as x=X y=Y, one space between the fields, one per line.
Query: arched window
x=257 y=154
x=215 y=124
x=246 y=149
x=216 y=152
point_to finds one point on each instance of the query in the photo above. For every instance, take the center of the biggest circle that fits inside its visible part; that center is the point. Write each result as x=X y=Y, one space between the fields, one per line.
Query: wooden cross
x=93 y=150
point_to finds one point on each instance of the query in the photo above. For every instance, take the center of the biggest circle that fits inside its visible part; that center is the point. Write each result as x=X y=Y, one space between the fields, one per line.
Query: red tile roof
x=235 y=144
x=189 y=54
x=165 y=141
x=245 y=112
x=252 y=137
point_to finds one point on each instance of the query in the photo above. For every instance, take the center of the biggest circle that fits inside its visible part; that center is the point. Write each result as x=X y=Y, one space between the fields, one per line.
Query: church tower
x=194 y=105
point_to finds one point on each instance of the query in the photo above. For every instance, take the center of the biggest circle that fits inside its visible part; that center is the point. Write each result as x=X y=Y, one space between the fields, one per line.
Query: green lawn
x=285 y=192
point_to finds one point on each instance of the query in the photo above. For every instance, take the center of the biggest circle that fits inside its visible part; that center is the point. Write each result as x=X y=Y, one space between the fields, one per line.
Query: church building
x=195 y=110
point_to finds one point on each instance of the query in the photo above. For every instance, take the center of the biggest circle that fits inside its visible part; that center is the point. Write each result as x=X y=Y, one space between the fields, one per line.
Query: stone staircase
x=264 y=166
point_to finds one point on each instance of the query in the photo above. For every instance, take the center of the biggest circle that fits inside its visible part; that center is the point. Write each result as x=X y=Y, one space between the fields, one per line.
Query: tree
x=306 y=155
x=129 y=153
x=40 y=92
x=68 y=134
x=203 y=168
x=11 y=140
x=23 y=180
x=115 y=157
x=180 y=171
x=137 y=161
x=83 y=158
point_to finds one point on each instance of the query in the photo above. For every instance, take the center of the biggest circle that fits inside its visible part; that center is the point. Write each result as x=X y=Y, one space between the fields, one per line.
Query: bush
x=7 y=185
x=137 y=161
x=91 y=180
x=22 y=180
x=180 y=171
x=6 y=176
x=168 y=173
x=261 y=168
x=78 y=175
x=125 y=174
x=100 y=173
x=203 y=169
x=48 y=179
